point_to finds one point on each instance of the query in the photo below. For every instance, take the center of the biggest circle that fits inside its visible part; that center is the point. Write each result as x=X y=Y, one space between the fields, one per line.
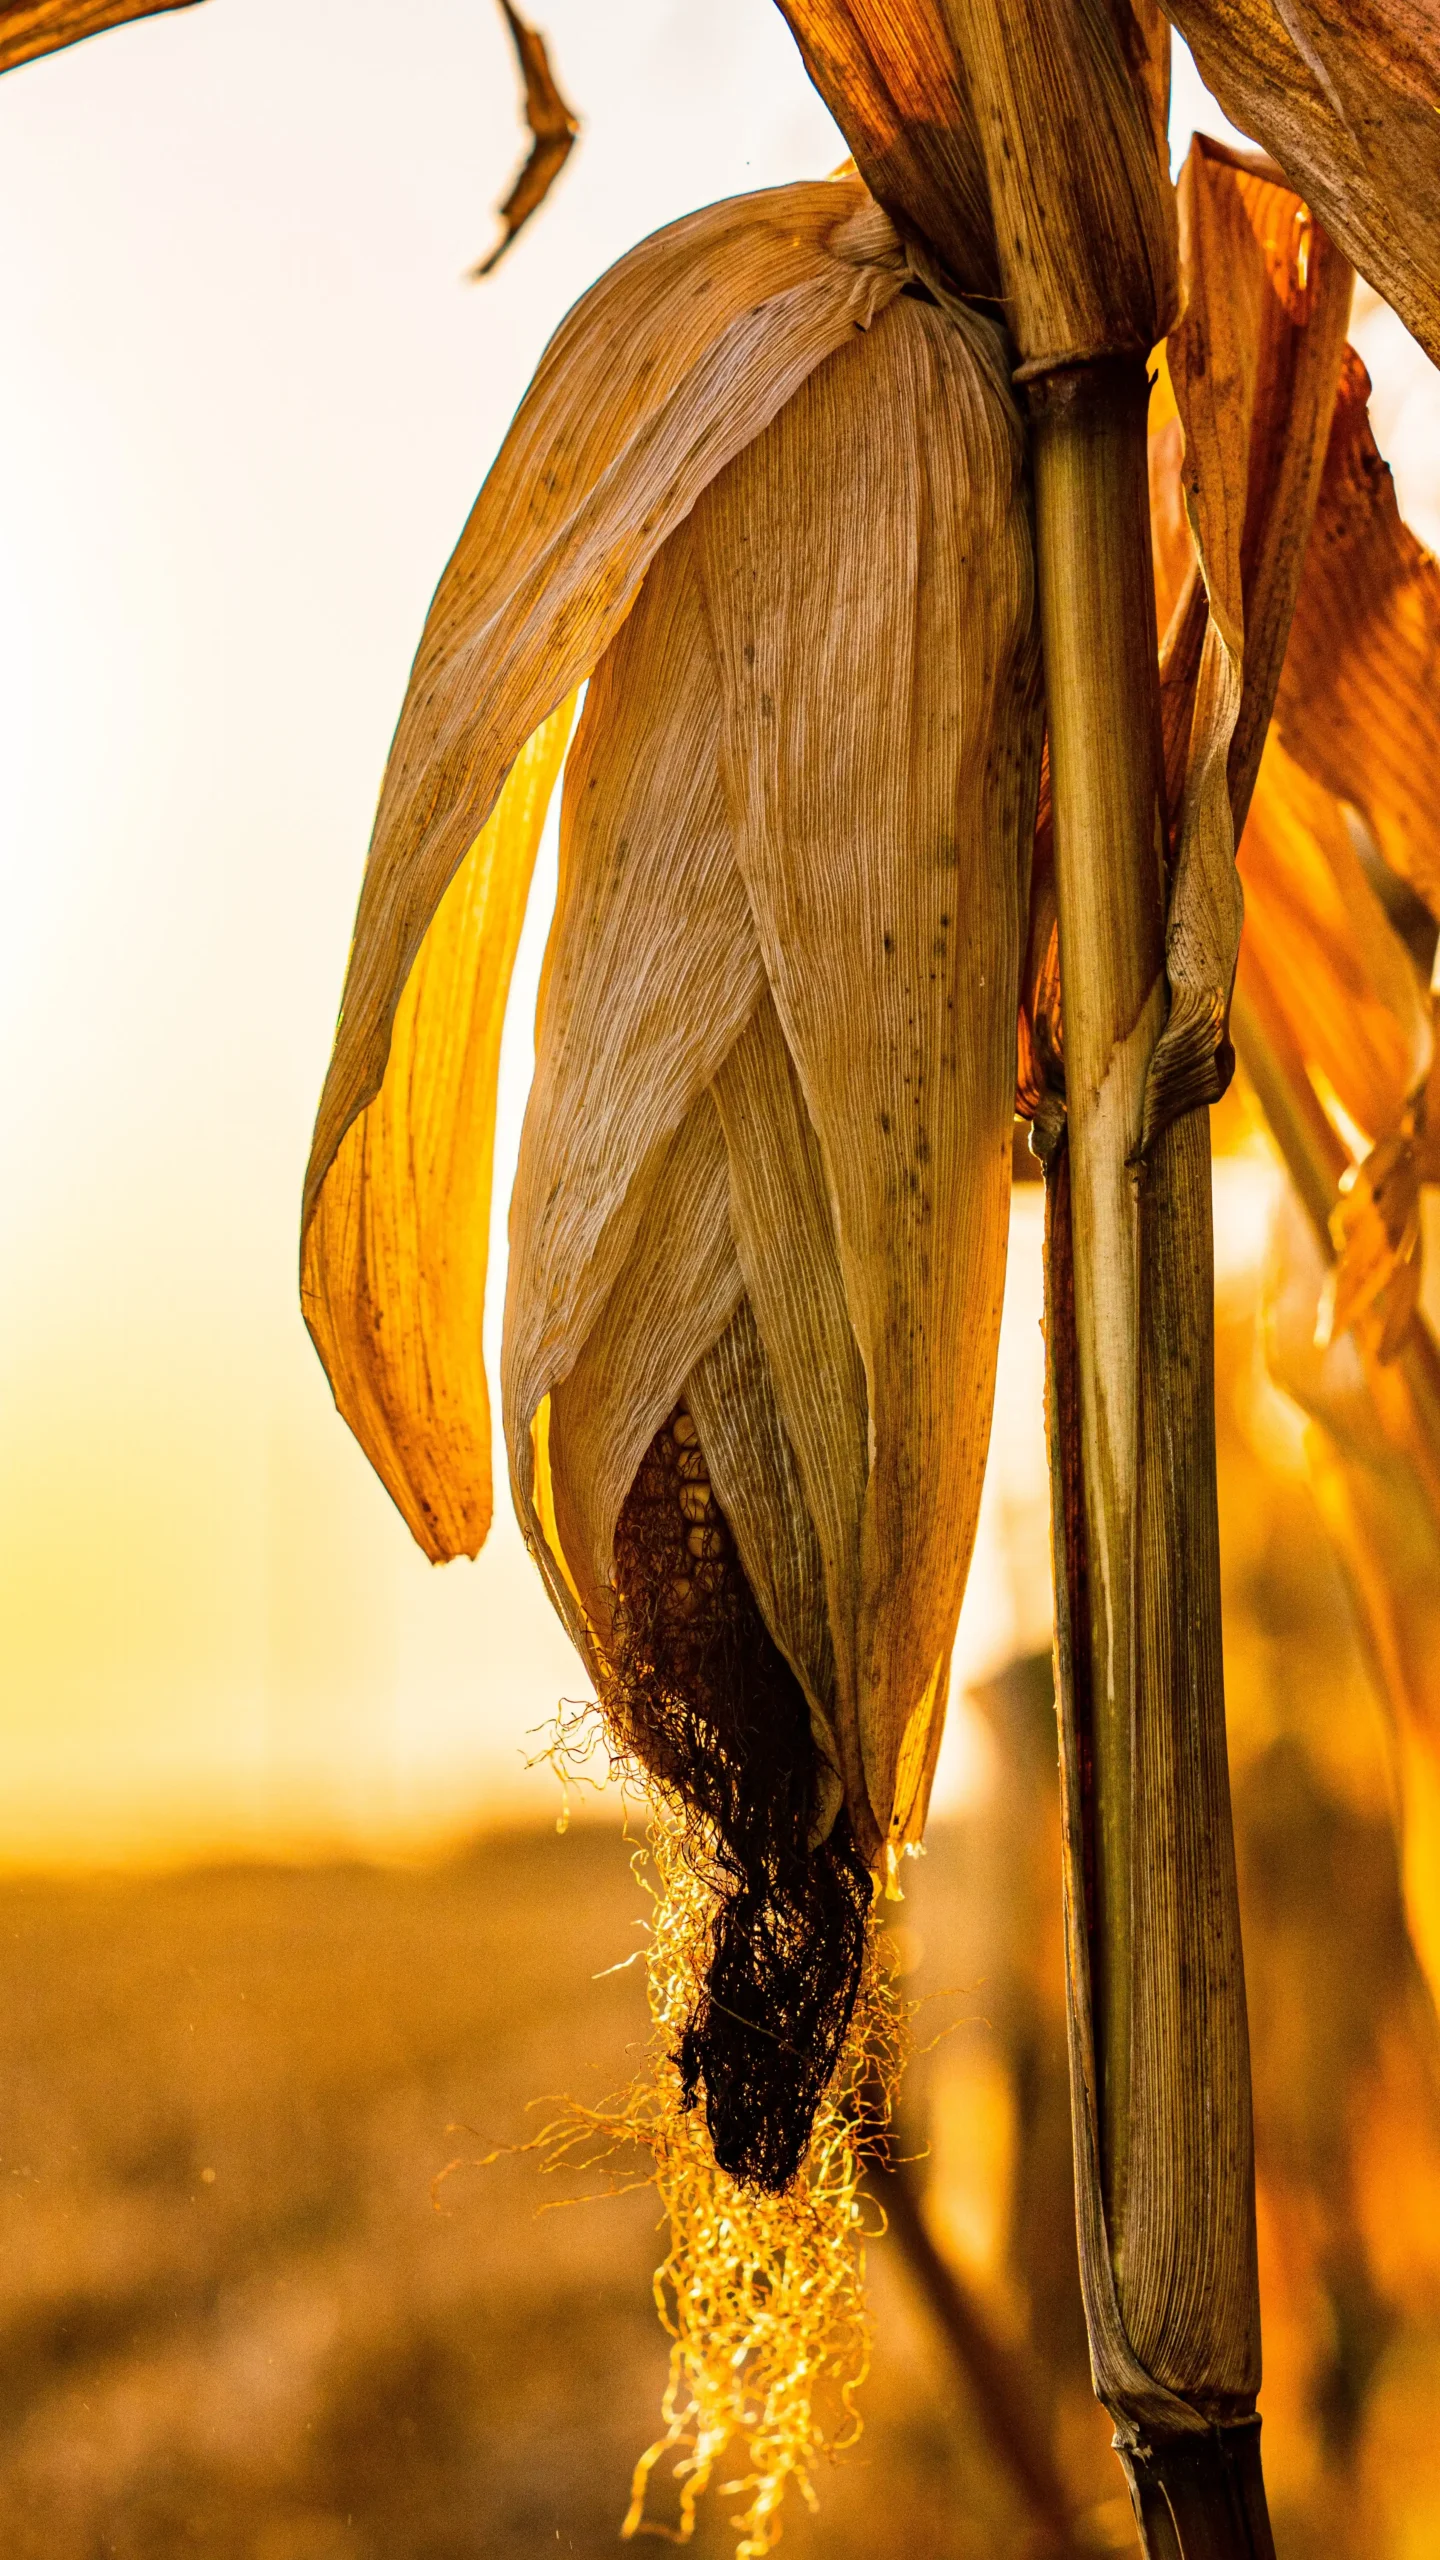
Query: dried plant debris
x=30 y=28
x=552 y=127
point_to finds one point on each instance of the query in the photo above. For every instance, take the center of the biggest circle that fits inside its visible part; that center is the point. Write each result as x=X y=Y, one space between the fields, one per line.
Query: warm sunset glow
x=249 y=400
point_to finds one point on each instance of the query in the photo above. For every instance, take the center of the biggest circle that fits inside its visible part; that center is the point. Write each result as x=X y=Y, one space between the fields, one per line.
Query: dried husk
x=861 y=689
x=1345 y=95
x=678 y=356
x=651 y=973
x=29 y=28
x=785 y=1237
x=731 y=1395
x=868 y=580
x=672 y=1298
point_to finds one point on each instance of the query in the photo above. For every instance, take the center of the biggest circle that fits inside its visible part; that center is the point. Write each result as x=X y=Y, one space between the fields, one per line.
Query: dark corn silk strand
x=703 y=1696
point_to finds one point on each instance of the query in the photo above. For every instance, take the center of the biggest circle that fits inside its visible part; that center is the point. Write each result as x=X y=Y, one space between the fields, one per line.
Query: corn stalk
x=1071 y=117
x=1159 y=2054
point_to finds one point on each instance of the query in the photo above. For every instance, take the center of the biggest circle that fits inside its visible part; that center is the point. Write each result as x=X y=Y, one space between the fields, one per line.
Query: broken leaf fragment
x=1345 y=95
x=32 y=28
x=553 y=128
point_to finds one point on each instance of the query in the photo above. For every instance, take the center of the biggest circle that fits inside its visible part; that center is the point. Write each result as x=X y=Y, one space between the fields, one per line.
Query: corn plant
x=821 y=491
x=850 y=505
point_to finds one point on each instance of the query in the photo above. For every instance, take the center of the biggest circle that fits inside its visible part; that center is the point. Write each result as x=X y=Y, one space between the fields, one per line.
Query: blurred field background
x=239 y=2317
x=281 y=1907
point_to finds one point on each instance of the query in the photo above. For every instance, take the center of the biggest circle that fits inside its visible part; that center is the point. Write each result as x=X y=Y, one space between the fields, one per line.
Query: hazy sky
x=248 y=400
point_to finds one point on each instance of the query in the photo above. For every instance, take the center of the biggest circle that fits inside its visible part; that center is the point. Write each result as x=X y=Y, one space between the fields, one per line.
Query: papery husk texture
x=671 y=363
x=800 y=799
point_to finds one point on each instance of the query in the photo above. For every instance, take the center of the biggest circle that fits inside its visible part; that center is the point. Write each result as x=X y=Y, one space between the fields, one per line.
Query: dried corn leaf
x=1253 y=363
x=552 y=131
x=1375 y=1225
x=667 y=366
x=652 y=971
x=1359 y=699
x=1070 y=99
x=393 y=1263
x=1374 y=1455
x=1340 y=972
x=785 y=1236
x=888 y=72
x=29 y=28
x=1345 y=94
x=868 y=576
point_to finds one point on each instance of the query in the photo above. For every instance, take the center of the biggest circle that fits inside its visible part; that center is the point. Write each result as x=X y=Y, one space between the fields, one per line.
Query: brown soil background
x=234 y=2324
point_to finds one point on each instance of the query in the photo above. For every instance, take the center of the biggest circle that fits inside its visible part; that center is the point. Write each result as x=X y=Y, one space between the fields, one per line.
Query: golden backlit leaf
x=879 y=751
x=1345 y=95
x=1253 y=364
x=1375 y=1225
x=394 y=1261
x=1359 y=699
x=552 y=127
x=1374 y=1456
x=29 y=28
x=1341 y=974
x=1321 y=959
x=669 y=364
x=887 y=70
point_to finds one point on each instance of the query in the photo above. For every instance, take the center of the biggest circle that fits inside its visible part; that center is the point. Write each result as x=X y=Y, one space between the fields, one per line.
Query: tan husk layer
x=678 y=356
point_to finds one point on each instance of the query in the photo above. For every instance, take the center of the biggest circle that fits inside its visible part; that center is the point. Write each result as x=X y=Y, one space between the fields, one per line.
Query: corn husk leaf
x=731 y=1396
x=783 y=1219
x=672 y=1298
x=675 y=359
x=1345 y=95
x=393 y=1263
x=30 y=28
x=879 y=749
x=652 y=970
x=678 y=356
x=1364 y=717
x=888 y=72
x=1253 y=364
x=1070 y=101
